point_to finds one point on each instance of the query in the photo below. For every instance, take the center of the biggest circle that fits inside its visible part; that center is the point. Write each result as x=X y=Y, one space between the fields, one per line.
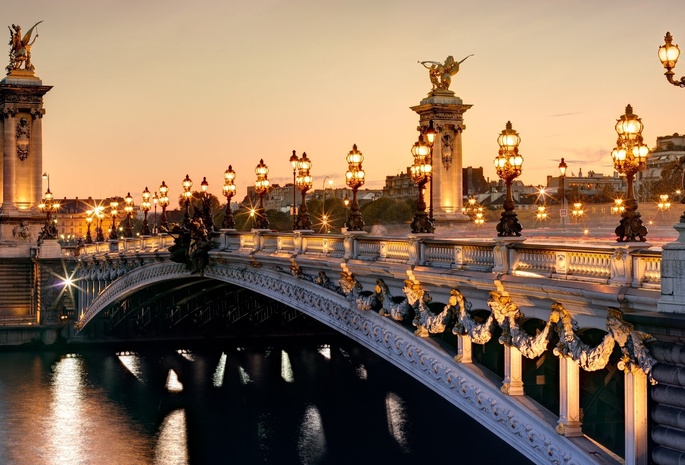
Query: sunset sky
x=152 y=90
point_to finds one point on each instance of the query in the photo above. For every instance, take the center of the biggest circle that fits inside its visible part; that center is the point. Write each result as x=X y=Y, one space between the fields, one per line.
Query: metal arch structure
x=528 y=431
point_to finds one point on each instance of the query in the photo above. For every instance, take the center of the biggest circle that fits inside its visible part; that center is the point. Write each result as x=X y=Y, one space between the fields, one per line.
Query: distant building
x=588 y=185
x=400 y=187
x=474 y=181
x=668 y=149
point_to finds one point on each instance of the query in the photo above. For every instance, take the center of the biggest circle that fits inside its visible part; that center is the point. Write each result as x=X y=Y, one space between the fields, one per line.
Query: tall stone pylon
x=445 y=111
x=21 y=139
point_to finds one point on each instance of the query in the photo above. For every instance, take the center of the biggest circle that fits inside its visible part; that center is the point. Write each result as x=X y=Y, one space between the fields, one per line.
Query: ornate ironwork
x=228 y=190
x=261 y=187
x=508 y=165
x=629 y=157
x=354 y=177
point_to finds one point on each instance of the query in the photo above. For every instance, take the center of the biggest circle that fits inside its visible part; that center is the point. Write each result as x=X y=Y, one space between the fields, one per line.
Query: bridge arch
x=422 y=358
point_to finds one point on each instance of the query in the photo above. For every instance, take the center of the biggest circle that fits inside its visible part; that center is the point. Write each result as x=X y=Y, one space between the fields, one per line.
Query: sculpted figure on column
x=20 y=48
x=441 y=73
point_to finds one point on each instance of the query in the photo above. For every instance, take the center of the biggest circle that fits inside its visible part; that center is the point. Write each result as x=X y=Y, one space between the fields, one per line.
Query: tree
x=386 y=211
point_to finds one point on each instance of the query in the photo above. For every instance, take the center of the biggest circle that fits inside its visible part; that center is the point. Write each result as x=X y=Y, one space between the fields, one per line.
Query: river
x=276 y=402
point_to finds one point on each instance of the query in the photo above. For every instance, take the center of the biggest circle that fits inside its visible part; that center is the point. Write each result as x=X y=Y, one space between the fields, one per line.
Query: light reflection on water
x=172 y=447
x=103 y=408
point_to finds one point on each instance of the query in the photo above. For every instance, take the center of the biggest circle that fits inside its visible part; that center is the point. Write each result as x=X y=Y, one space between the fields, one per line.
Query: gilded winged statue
x=441 y=73
x=20 y=48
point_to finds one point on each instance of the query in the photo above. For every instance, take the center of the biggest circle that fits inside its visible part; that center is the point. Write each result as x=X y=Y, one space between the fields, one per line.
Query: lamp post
x=187 y=184
x=303 y=182
x=100 y=214
x=261 y=187
x=206 y=206
x=155 y=201
x=346 y=202
x=89 y=220
x=113 y=205
x=228 y=190
x=629 y=157
x=128 y=210
x=562 y=193
x=46 y=177
x=145 y=206
x=163 y=202
x=49 y=206
x=293 y=162
x=429 y=135
x=668 y=54
x=354 y=178
x=421 y=172
x=508 y=165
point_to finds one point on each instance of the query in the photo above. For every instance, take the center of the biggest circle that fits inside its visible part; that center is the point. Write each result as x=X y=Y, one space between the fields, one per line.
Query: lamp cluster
x=508 y=165
x=303 y=182
x=261 y=186
x=630 y=156
x=668 y=54
x=354 y=178
x=421 y=172
x=49 y=206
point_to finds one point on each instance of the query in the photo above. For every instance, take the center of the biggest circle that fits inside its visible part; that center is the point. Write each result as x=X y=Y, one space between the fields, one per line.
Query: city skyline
x=145 y=92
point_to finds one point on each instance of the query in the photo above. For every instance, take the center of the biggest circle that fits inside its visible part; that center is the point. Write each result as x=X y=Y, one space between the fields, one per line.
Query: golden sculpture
x=441 y=73
x=20 y=48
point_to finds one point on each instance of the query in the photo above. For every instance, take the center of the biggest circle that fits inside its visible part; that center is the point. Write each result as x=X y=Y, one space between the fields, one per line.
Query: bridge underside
x=198 y=308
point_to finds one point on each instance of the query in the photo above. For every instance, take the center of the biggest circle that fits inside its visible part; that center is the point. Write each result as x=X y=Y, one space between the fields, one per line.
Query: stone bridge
x=549 y=322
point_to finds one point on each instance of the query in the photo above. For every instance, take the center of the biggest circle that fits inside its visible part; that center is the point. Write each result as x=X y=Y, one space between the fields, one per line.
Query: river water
x=275 y=403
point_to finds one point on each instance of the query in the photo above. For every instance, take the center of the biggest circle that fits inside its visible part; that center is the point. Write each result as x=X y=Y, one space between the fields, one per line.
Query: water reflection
x=276 y=405
x=394 y=407
x=312 y=441
x=172 y=447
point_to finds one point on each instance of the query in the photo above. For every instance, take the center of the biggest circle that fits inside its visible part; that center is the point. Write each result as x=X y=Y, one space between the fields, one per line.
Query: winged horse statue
x=20 y=48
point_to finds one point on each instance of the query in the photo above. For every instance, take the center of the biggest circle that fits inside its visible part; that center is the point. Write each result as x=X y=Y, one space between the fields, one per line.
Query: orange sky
x=146 y=91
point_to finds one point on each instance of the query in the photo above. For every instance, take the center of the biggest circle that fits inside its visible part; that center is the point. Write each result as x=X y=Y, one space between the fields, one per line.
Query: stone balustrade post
x=622 y=263
x=350 y=244
x=458 y=257
x=560 y=263
x=417 y=249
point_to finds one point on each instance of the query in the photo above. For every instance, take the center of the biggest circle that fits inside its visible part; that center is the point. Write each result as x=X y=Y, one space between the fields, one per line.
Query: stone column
x=635 y=407
x=9 y=159
x=673 y=274
x=446 y=112
x=464 y=349
x=36 y=157
x=569 y=423
x=513 y=372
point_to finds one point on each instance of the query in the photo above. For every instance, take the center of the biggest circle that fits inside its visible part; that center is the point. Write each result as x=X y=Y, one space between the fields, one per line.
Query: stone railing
x=632 y=265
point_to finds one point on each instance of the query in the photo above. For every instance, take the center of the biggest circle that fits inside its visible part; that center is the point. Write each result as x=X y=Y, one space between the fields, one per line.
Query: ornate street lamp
x=155 y=201
x=100 y=214
x=206 y=206
x=508 y=165
x=145 y=206
x=354 y=178
x=668 y=54
x=128 y=210
x=294 y=160
x=346 y=202
x=303 y=182
x=562 y=192
x=229 y=191
x=421 y=172
x=187 y=184
x=113 y=205
x=429 y=135
x=163 y=202
x=630 y=156
x=49 y=207
x=261 y=187
x=89 y=220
